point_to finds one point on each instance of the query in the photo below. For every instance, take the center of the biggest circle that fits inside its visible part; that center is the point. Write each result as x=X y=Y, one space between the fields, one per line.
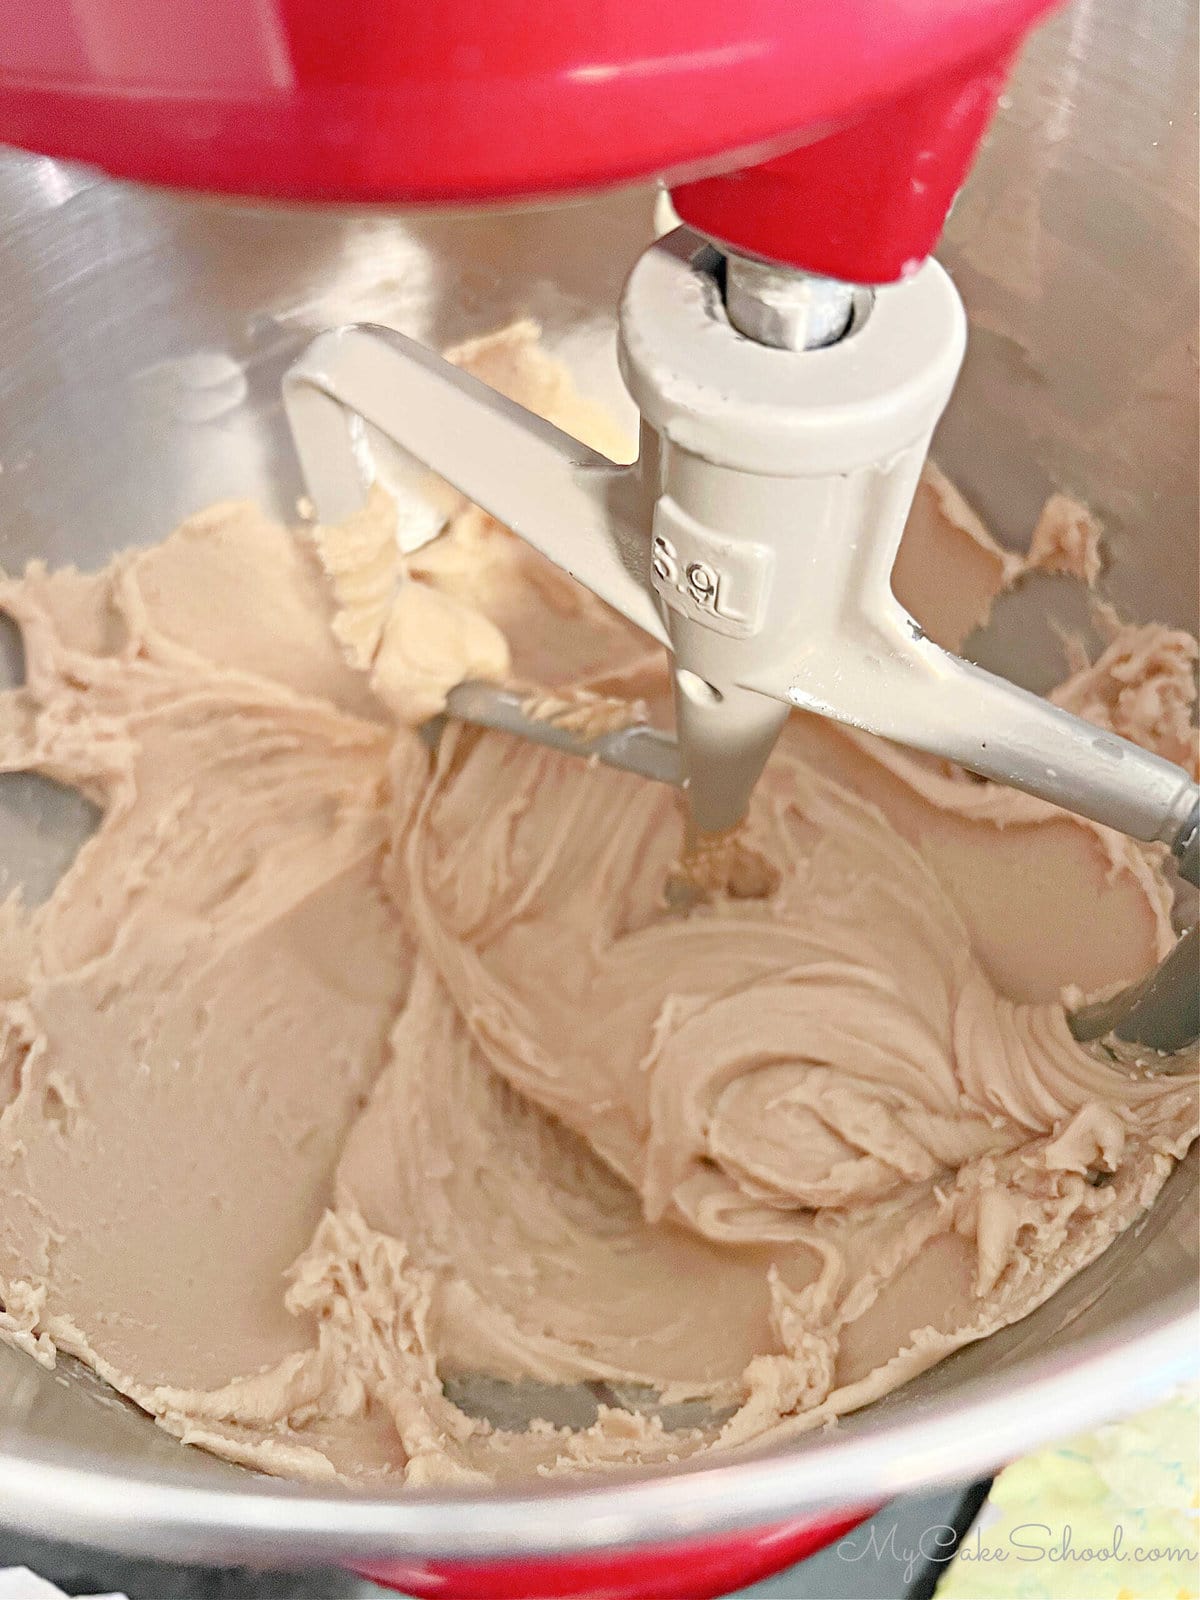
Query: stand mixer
x=790 y=359
x=725 y=483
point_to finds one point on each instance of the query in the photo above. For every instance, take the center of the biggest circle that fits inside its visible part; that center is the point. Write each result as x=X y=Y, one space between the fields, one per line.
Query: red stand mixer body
x=829 y=135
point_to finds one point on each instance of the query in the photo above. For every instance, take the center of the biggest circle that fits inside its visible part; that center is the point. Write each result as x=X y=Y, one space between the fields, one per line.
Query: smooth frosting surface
x=336 y=1073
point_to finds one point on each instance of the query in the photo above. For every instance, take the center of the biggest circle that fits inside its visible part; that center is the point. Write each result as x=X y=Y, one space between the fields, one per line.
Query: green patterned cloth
x=1110 y=1515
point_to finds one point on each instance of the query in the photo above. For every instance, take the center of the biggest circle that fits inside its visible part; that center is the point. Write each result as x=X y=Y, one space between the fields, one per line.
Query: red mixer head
x=826 y=134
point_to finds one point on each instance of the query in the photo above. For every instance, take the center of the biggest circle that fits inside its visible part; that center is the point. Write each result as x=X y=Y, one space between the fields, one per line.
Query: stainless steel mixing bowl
x=142 y=338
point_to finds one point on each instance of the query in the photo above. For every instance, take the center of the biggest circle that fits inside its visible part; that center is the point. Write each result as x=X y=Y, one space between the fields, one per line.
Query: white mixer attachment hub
x=756 y=534
x=781 y=482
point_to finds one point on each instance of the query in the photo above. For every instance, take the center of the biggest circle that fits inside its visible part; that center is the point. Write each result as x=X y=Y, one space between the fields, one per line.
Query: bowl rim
x=77 y=1496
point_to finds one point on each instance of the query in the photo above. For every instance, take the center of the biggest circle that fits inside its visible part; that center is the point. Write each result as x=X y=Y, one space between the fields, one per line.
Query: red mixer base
x=696 y=1570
